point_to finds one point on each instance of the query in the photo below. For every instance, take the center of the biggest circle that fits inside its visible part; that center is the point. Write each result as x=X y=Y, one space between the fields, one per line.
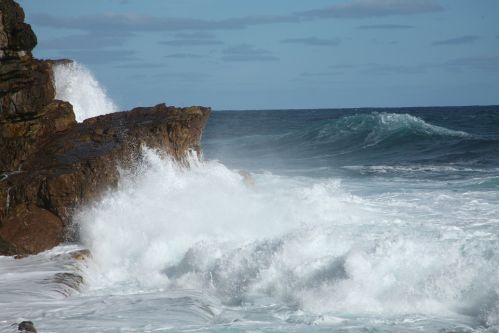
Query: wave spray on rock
x=304 y=244
x=76 y=84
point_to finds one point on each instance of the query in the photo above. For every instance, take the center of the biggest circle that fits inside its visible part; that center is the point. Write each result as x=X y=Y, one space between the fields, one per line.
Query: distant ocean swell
x=374 y=129
x=354 y=140
x=366 y=132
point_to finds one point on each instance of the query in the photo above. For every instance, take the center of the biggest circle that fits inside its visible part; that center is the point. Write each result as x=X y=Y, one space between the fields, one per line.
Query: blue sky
x=267 y=54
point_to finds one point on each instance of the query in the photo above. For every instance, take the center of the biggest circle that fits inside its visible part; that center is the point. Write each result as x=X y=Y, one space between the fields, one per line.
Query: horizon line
x=361 y=107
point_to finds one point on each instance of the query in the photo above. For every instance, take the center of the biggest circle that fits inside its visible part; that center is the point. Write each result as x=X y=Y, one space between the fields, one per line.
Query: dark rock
x=26 y=89
x=26 y=326
x=15 y=35
x=20 y=138
x=49 y=164
x=59 y=61
x=68 y=283
x=72 y=167
x=7 y=248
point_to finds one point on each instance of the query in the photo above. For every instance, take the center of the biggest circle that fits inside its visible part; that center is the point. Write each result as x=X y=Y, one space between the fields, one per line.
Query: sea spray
x=77 y=85
x=409 y=245
x=303 y=249
x=307 y=244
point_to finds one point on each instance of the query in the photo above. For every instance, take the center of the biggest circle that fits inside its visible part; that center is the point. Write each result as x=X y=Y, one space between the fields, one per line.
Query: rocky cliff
x=49 y=163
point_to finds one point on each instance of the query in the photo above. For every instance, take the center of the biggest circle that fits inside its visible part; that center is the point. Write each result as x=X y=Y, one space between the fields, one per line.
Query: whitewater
x=293 y=221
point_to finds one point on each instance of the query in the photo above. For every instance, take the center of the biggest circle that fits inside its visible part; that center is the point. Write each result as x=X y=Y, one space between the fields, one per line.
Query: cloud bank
x=456 y=41
x=374 y=8
x=312 y=41
x=246 y=52
x=385 y=27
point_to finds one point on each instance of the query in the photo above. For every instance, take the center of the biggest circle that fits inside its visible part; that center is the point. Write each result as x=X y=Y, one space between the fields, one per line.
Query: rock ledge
x=49 y=163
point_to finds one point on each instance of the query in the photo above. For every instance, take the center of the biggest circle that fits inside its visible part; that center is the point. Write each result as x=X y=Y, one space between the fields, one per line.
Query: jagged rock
x=26 y=89
x=15 y=35
x=72 y=167
x=19 y=139
x=25 y=83
x=26 y=86
x=49 y=164
x=68 y=282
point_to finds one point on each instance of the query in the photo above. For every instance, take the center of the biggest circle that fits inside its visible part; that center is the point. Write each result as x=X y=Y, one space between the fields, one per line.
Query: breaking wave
x=379 y=127
x=369 y=132
x=324 y=142
x=308 y=245
x=76 y=84
x=175 y=247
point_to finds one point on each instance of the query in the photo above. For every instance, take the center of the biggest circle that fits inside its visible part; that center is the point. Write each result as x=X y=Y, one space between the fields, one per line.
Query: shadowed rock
x=49 y=164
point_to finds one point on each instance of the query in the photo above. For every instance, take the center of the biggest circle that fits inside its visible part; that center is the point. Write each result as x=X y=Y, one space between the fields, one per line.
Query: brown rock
x=31 y=229
x=7 y=248
x=49 y=164
x=26 y=88
x=15 y=35
x=71 y=167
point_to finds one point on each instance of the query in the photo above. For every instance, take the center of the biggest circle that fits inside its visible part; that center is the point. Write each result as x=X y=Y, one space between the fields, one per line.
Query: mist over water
x=312 y=220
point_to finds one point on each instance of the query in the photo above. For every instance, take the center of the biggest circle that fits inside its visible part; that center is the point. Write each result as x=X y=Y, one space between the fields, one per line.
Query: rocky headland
x=49 y=163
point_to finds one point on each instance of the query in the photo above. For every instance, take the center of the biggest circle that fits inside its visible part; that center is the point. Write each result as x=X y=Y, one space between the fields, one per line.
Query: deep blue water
x=435 y=142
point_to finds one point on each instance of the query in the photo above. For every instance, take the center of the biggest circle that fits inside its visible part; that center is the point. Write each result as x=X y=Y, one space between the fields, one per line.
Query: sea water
x=357 y=220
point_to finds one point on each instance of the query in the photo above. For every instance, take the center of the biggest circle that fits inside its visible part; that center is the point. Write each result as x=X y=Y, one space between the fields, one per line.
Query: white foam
x=76 y=84
x=295 y=241
x=392 y=121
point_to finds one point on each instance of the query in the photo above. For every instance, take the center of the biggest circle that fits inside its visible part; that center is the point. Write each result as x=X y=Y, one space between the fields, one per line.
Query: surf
x=307 y=245
x=75 y=83
x=224 y=242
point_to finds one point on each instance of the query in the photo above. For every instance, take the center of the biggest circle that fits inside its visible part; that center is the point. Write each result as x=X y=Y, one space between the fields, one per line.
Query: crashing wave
x=304 y=244
x=377 y=128
x=75 y=84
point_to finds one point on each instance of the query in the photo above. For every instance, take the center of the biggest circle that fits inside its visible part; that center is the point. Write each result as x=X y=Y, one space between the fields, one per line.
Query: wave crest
x=378 y=128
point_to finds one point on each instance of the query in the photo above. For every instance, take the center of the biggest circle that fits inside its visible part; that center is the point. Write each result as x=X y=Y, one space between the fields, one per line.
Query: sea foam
x=306 y=244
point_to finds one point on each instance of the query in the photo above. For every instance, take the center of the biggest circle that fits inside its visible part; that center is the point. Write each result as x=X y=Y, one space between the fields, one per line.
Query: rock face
x=49 y=164
x=26 y=89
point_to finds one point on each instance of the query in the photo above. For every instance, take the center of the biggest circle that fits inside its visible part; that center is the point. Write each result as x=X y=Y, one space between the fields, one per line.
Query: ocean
x=331 y=220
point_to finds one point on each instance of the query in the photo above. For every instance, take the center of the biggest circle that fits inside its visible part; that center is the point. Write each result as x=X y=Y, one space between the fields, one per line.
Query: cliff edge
x=49 y=163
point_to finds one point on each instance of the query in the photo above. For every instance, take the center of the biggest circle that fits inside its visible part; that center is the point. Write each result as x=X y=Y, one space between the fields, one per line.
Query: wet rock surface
x=49 y=163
